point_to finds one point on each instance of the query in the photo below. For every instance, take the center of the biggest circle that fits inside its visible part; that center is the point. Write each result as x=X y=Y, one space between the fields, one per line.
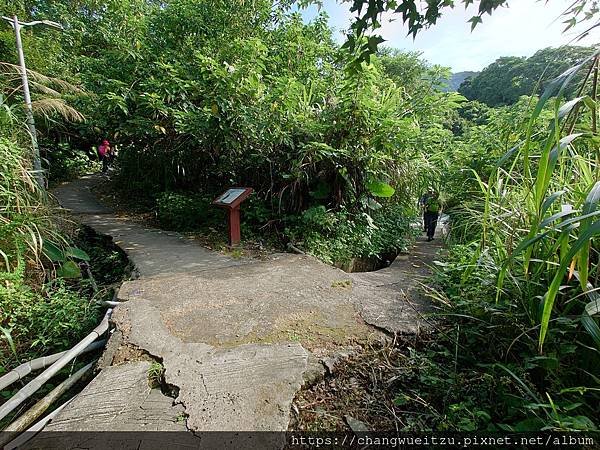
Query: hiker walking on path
x=422 y=202
x=431 y=213
x=105 y=154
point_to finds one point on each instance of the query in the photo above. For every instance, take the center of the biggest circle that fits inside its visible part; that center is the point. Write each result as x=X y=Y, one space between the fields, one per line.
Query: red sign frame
x=231 y=200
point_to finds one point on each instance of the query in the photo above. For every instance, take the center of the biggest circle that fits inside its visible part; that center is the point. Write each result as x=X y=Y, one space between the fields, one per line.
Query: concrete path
x=152 y=251
x=237 y=339
x=394 y=299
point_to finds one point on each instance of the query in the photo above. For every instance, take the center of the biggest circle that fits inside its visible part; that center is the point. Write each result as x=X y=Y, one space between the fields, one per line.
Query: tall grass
x=34 y=308
x=23 y=211
x=540 y=213
x=26 y=215
x=524 y=292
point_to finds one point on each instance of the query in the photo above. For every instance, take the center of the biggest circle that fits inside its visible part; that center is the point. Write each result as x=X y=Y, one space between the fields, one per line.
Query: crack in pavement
x=232 y=334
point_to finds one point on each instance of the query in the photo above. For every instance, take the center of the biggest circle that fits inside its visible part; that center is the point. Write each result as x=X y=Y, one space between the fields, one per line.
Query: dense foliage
x=39 y=311
x=527 y=262
x=44 y=298
x=250 y=96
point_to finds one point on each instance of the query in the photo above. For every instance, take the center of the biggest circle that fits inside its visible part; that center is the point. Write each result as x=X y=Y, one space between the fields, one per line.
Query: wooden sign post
x=231 y=200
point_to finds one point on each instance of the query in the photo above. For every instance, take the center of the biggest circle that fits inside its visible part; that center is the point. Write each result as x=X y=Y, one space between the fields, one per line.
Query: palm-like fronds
x=13 y=72
x=51 y=90
x=48 y=106
x=24 y=215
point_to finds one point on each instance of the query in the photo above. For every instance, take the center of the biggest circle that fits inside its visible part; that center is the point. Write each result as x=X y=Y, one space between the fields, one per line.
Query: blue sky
x=520 y=29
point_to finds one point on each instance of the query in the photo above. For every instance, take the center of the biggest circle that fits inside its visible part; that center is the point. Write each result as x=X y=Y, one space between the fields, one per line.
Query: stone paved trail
x=237 y=338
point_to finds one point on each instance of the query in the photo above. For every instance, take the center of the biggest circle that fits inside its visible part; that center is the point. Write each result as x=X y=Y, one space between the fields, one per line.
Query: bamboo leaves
x=579 y=246
x=558 y=202
x=587 y=317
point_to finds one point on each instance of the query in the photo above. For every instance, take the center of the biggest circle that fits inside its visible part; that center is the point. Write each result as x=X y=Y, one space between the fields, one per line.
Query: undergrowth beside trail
x=457 y=378
x=52 y=274
x=333 y=236
x=52 y=318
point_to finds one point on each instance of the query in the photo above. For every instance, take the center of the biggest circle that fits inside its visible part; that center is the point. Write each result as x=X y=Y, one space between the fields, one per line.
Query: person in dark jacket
x=422 y=202
x=431 y=213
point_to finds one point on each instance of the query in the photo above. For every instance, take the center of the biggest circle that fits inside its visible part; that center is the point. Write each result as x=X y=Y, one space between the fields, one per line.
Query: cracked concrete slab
x=120 y=399
x=230 y=335
x=290 y=298
x=224 y=336
x=245 y=388
x=392 y=299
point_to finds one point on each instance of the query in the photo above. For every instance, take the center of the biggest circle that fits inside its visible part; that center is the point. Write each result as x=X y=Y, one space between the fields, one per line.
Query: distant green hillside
x=456 y=79
x=506 y=79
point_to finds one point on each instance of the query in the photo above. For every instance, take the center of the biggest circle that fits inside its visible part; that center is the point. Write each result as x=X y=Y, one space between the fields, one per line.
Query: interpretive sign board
x=231 y=200
x=232 y=197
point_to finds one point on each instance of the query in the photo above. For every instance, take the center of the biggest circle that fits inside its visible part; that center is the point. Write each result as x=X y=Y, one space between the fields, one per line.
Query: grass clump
x=42 y=322
x=492 y=350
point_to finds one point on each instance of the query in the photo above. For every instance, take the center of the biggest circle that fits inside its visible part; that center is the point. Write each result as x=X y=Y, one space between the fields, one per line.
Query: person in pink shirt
x=105 y=152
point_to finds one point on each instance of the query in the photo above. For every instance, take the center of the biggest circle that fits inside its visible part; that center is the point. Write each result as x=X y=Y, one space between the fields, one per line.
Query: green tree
x=508 y=78
x=498 y=84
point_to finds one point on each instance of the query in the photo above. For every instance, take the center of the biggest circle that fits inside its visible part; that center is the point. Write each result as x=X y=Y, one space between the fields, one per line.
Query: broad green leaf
x=509 y=154
x=530 y=424
x=547 y=362
x=557 y=86
x=76 y=253
x=544 y=223
x=53 y=252
x=587 y=317
x=380 y=189
x=69 y=269
x=590 y=103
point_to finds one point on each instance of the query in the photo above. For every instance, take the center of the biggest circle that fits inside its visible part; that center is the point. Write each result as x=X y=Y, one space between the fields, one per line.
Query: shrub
x=66 y=163
x=183 y=212
x=497 y=371
x=36 y=316
x=336 y=237
x=41 y=322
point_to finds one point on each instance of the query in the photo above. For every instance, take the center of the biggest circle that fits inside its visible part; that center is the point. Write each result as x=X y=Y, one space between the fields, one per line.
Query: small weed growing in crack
x=293 y=336
x=236 y=253
x=155 y=374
